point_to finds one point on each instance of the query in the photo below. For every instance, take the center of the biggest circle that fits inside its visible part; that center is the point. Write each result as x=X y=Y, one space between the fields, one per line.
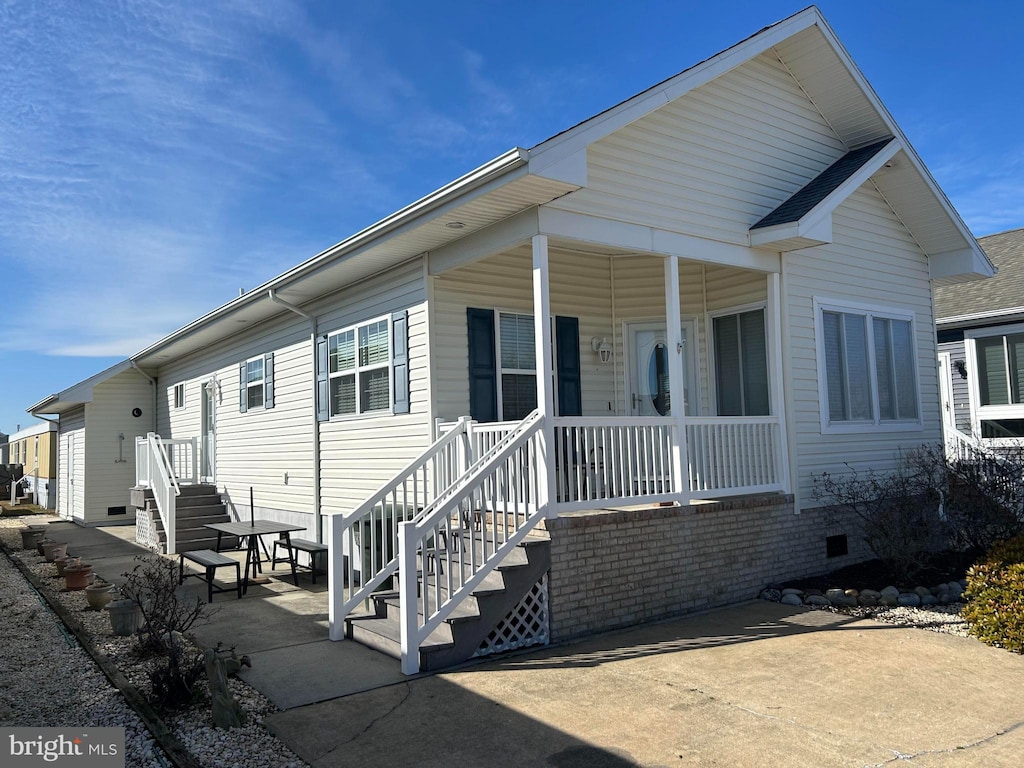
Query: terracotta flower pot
x=40 y=543
x=52 y=550
x=98 y=595
x=77 y=576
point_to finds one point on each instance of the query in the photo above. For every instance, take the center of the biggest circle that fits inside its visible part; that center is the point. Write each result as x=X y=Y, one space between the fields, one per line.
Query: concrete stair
x=461 y=634
x=196 y=506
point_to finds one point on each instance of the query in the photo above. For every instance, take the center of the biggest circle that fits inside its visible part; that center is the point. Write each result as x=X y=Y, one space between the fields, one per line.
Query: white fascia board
x=1010 y=313
x=35 y=429
x=969 y=263
x=571 y=168
x=644 y=239
x=42 y=405
x=894 y=129
x=578 y=138
x=495 y=171
x=484 y=242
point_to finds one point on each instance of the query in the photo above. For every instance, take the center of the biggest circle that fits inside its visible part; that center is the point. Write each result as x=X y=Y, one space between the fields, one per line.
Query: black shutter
x=567 y=366
x=400 y=361
x=323 y=394
x=483 y=382
x=268 y=380
x=243 y=399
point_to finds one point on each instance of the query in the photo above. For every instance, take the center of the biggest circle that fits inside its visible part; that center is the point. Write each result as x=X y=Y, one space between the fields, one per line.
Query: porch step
x=459 y=637
x=197 y=506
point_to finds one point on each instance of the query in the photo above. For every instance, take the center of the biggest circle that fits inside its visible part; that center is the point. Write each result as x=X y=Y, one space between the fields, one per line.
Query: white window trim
x=498 y=370
x=875 y=424
x=262 y=383
x=709 y=324
x=179 y=388
x=357 y=369
x=981 y=412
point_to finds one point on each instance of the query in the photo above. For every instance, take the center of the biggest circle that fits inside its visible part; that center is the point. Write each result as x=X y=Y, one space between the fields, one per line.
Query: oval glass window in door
x=657 y=378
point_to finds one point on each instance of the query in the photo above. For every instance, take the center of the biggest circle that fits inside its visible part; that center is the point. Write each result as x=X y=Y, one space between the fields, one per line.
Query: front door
x=647 y=386
x=209 y=439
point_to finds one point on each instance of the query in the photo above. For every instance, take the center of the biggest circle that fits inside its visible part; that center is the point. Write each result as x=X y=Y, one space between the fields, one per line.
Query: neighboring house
x=35 y=448
x=98 y=421
x=5 y=449
x=663 y=321
x=981 y=348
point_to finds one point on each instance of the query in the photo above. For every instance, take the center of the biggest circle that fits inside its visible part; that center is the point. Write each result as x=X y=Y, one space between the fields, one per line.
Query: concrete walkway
x=759 y=684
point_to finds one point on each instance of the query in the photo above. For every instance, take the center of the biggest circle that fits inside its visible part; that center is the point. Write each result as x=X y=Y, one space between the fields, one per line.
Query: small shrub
x=995 y=591
x=167 y=613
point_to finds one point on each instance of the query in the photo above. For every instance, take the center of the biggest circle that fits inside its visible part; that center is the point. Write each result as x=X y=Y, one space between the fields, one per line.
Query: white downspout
x=317 y=515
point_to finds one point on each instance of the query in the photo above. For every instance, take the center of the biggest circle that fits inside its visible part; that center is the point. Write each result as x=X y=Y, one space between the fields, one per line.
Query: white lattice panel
x=525 y=625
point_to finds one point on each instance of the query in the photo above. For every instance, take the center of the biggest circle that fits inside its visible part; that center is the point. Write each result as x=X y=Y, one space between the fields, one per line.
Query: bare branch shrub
x=168 y=612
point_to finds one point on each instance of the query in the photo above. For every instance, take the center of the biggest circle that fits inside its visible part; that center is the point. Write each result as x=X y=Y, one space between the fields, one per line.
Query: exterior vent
x=836 y=546
x=112 y=511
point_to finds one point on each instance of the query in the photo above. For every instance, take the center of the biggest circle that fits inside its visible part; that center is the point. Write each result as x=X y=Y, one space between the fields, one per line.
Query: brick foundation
x=616 y=568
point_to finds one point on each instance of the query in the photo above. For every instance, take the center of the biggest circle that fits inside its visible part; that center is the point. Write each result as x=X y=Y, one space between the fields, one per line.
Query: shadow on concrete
x=430 y=722
x=762 y=620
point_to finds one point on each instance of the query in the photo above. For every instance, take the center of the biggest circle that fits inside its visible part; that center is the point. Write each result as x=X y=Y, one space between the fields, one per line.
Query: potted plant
x=125 y=616
x=53 y=549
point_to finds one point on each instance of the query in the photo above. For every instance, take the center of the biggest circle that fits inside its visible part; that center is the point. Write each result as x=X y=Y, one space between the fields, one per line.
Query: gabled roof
x=77 y=395
x=1000 y=299
x=523 y=179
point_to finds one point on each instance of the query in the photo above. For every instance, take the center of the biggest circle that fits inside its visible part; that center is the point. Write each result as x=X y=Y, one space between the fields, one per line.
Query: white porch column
x=777 y=387
x=676 y=382
x=545 y=374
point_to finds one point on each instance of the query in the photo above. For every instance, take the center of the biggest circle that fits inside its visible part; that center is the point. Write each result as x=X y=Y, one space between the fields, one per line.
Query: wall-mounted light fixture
x=603 y=349
x=960 y=367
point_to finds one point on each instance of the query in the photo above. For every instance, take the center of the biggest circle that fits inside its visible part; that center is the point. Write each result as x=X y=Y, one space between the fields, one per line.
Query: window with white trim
x=869 y=365
x=1000 y=369
x=359 y=365
x=179 y=395
x=254 y=383
x=517 y=366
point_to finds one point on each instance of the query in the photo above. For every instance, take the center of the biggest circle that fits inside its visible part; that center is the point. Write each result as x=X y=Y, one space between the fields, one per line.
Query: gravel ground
x=935 y=618
x=50 y=681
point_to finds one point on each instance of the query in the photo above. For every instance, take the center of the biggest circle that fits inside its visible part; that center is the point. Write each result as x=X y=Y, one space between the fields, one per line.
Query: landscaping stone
x=791 y=599
x=909 y=599
x=792 y=591
x=922 y=591
x=816 y=600
x=929 y=600
x=890 y=593
x=771 y=594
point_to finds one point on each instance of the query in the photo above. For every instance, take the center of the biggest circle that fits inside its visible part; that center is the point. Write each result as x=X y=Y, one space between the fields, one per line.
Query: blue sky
x=156 y=157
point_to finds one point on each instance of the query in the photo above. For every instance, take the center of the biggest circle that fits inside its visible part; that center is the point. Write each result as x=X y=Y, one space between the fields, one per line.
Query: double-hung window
x=359 y=364
x=867 y=367
x=517 y=356
x=254 y=383
x=179 y=395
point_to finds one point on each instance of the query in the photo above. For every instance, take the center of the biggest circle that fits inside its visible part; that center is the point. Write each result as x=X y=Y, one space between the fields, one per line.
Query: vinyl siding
x=874 y=261
x=359 y=454
x=71 y=483
x=109 y=463
x=715 y=160
x=271 y=449
x=604 y=293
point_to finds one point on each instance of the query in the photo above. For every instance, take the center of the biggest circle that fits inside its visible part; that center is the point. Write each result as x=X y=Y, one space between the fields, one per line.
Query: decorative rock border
x=942 y=594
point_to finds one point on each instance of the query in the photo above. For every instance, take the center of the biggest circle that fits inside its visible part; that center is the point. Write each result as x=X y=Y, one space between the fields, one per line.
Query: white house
x=607 y=365
x=98 y=421
x=980 y=331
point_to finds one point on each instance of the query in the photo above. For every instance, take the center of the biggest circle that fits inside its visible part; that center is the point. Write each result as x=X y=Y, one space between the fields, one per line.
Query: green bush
x=995 y=591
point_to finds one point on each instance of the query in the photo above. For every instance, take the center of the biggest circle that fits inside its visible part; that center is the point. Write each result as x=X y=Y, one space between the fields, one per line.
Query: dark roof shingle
x=1004 y=291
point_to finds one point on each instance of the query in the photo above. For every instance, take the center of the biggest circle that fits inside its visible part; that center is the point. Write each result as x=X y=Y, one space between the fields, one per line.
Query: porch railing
x=621 y=460
x=731 y=455
x=162 y=465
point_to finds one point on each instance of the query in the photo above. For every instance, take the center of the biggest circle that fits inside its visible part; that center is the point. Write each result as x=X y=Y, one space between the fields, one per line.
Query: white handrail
x=369 y=534
x=467 y=533
x=154 y=468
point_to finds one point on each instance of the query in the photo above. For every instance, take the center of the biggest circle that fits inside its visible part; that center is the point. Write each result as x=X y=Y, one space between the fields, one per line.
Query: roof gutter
x=317 y=513
x=499 y=166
